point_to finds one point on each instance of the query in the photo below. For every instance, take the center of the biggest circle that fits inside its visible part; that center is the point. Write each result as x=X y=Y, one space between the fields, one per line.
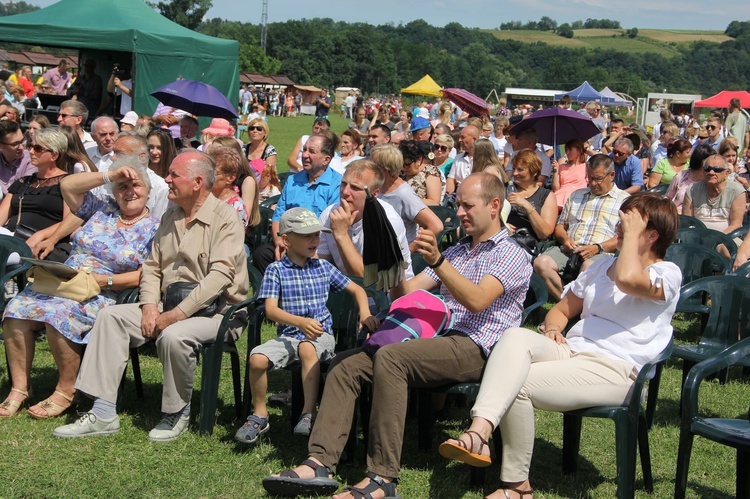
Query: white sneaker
x=88 y=425
x=170 y=427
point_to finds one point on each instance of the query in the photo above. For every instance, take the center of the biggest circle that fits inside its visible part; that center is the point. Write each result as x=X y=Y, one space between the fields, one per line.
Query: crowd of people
x=148 y=202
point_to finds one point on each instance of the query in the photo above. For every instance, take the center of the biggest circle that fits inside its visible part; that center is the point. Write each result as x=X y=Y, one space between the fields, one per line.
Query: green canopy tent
x=113 y=31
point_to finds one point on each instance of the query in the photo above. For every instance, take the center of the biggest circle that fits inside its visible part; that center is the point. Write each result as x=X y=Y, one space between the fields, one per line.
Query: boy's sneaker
x=304 y=426
x=254 y=427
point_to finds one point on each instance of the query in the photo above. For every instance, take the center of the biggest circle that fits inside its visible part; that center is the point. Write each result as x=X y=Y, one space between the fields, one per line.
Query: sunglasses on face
x=66 y=116
x=438 y=147
x=255 y=128
x=715 y=169
x=711 y=127
x=39 y=149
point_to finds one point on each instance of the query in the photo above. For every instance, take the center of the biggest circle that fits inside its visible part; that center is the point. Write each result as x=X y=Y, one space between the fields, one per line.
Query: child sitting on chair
x=296 y=290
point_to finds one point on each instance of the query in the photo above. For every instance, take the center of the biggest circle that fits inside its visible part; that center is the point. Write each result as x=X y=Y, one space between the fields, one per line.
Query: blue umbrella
x=197 y=98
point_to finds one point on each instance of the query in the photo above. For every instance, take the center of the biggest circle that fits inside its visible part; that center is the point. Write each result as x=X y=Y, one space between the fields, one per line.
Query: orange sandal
x=51 y=408
x=13 y=406
x=461 y=452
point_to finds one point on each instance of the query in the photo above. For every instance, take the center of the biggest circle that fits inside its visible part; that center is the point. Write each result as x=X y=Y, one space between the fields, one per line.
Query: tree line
x=546 y=23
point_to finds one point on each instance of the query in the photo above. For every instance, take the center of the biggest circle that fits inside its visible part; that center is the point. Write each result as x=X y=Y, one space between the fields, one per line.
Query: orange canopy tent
x=722 y=99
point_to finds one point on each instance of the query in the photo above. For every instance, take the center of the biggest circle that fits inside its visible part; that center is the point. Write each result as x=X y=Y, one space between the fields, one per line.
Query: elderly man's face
x=105 y=136
x=620 y=153
x=126 y=146
x=66 y=116
x=312 y=155
x=182 y=185
x=599 y=182
x=715 y=170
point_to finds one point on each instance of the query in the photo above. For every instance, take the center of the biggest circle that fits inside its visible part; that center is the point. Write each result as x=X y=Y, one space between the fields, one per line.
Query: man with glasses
x=628 y=171
x=15 y=162
x=586 y=225
x=74 y=114
x=713 y=127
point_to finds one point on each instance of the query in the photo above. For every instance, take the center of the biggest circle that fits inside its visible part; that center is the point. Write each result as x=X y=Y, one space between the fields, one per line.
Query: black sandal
x=376 y=483
x=521 y=493
x=289 y=484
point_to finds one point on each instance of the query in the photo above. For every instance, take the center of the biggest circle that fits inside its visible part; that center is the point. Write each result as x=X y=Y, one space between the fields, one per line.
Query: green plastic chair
x=696 y=262
x=740 y=233
x=706 y=237
x=743 y=270
x=417 y=263
x=451 y=225
x=688 y=222
x=284 y=176
x=631 y=432
x=732 y=432
x=8 y=246
x=660 y=189
x=271 y=201
x=730 y=309
x=262 y=232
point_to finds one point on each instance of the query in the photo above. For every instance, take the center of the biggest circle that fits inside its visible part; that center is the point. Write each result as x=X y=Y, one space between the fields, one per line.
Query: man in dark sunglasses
x=14 y=158
x=713 y=127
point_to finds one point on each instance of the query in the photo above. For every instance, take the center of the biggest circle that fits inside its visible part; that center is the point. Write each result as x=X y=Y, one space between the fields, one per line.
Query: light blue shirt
x=629 y=173
x=316 y=197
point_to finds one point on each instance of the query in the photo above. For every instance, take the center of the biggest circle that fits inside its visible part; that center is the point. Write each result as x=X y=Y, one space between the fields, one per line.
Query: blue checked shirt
x=302 y=291
x=508 y=263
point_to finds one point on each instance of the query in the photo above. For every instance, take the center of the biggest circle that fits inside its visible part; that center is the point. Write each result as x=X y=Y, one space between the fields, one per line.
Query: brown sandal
x=51 y=408
x=13 y=406
x=460 y=452
x=521 y=493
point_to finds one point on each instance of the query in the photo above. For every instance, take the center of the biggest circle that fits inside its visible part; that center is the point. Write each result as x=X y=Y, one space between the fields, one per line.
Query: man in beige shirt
x=200 y=241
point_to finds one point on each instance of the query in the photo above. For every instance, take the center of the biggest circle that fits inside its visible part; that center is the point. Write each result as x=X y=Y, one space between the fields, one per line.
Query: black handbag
x=524 y=239
x=178 y=291
x=572 y=268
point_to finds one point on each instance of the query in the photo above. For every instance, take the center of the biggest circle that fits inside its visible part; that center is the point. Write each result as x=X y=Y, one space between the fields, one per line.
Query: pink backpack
x=420 y=314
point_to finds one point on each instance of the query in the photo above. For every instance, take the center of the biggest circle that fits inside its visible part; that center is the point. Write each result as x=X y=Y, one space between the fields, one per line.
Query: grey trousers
x=395 y=368
x=118 y=328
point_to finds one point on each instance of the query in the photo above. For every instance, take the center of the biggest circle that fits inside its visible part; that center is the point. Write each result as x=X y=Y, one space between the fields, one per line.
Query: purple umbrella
x=467 y=101
x=197 y=98
x=557 y=126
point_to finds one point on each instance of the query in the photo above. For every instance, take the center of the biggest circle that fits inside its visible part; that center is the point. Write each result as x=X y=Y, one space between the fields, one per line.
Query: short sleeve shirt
x=592 y=219
x=298 y=191
x=302 y=291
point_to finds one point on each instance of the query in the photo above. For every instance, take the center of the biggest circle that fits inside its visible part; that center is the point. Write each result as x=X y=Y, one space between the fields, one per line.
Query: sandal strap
x=482 y=441
x=321 y=470
x=69 y=398
x=520 y=492
x=22 y=392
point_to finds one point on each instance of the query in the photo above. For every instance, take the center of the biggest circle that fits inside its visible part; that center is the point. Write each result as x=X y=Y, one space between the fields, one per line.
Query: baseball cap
x=130 y=118
x=300 y=221
x=419 y=123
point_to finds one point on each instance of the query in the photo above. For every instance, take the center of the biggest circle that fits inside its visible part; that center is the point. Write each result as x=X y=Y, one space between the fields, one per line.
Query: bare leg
x=19 y=348
x=547 y=269
x=259 y=366
x=310 y=375
x=67 y=356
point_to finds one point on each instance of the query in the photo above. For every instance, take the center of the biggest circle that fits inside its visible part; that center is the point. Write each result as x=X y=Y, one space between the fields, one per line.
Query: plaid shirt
x=302 y=291
x=503 y=259
x=591 y=219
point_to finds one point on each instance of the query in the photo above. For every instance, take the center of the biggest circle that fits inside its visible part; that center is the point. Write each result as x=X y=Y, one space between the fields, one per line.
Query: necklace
x=133 y=221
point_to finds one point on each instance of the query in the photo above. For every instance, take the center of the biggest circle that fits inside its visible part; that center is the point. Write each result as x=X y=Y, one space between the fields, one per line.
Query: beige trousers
x=527 y=370
x=118 y=328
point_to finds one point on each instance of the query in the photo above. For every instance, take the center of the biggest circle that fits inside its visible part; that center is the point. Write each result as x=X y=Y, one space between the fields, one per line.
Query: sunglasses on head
x=715 y=169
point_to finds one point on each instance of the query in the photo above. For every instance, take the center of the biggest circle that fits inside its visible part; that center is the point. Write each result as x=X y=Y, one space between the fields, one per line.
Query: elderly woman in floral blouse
x=426 y=180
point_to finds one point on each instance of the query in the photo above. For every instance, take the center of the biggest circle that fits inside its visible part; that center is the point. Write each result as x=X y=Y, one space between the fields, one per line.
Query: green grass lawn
x=128 y=465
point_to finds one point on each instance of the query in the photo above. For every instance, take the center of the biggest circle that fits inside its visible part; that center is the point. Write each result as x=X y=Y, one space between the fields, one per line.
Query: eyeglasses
x=597 y=180
x=39 y=149
x=711 y=127
x=255 y=128
x=14 y=144
x=66 y=116
x=715 y=169
x=441 y=148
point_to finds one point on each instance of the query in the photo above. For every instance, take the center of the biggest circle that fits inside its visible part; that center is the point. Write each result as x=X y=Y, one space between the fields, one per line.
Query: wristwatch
x=109 y=281
x=601 y=248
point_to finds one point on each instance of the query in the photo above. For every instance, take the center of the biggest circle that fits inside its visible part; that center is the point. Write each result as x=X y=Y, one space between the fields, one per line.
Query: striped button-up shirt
x=503 y=259
x=590 y=219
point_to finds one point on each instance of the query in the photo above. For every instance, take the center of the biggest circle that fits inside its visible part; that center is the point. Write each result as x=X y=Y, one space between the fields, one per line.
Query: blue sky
x=686 y=14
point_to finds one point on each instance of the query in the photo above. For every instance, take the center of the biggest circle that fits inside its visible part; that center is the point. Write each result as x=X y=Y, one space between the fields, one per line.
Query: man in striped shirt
x=586 y=224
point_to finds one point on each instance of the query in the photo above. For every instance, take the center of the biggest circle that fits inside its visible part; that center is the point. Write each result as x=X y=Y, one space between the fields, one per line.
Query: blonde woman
x=258 y=147
x=485 y=159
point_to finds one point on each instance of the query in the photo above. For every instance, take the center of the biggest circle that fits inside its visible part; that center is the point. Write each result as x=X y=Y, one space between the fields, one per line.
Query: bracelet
x=110 y=281
x=438 y=263
x=105 y=177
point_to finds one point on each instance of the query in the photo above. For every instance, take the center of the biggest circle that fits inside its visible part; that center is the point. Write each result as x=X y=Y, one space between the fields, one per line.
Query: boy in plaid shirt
x=296 y=289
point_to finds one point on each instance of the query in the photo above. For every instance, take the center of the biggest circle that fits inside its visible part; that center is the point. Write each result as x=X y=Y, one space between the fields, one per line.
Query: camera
x=119 y=72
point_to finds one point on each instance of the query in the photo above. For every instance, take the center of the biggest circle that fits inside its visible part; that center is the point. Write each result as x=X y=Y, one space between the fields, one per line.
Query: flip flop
x=290 y=484
x=460 y=452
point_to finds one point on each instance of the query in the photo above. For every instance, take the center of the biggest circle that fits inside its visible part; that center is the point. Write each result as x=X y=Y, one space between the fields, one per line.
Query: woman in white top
x=626 y=306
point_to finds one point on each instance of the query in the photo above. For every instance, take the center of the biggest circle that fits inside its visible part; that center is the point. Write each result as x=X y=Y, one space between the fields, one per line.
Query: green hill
x=658 y=41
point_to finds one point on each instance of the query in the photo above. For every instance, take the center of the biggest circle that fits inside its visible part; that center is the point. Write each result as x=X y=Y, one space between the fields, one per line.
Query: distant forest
x=385 y=58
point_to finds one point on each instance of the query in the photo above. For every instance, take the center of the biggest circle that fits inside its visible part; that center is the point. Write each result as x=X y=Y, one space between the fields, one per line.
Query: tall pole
x=264 y=26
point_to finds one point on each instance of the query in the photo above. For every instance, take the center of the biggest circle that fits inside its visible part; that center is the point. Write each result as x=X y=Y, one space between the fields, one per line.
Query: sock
x=185 y=412
x=103 y=409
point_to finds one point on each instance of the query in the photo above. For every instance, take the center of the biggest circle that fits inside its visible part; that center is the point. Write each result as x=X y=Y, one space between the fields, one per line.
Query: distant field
x=648 y=41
